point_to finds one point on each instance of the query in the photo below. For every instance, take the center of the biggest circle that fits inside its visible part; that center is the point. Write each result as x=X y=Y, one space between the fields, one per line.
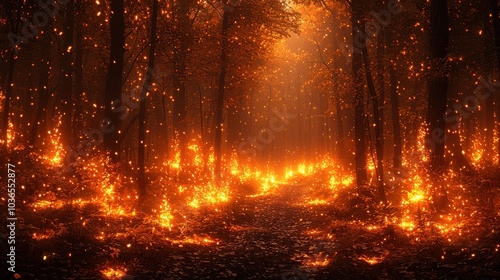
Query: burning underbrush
x=93 y=206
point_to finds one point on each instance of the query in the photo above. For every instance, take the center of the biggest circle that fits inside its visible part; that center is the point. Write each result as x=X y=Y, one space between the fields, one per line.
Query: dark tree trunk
x=181 y=47
x=359 y=102
x=114 y=78
x=381 y=80
x=14 y=22
x=377 y=123
x=496 y=27
x=220 y=96
x=43 y=90
x=142 y=182
x=396 y=124
x=340 y=128
x=453 y=143
x=8 y=97
x=438 y=83
x=78 y=121
x=65 y=91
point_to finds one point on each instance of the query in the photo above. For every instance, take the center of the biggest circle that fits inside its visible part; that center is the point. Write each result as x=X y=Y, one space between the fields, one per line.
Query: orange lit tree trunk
x=437 y=83
x=220 y=96
x=65 y=92
x=359 y=103
x=142 y=182
x=114 y=79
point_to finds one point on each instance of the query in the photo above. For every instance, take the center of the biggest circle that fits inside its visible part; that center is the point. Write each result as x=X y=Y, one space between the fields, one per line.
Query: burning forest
x=250 y=139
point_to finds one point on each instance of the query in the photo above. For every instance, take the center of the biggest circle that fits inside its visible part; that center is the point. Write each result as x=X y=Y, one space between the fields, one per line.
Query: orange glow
x=371 y=260
x=196 y=240
x=114 y=273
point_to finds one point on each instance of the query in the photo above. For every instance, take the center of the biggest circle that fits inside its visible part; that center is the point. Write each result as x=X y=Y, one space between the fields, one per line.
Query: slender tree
x=78 y=118
x=359 y=99
x=496 y=26
x=220 y=94
x=39 y=127
x=14 y=20
x=396 y=122
x=182 y=42
x=142 y=113
x=114 y=79
x=377 y=123
x=65 y=92
x=438 y=82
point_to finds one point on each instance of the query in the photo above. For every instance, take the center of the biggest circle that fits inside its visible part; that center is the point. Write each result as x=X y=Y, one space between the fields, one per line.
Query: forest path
x=274 y=236
x=280 y=236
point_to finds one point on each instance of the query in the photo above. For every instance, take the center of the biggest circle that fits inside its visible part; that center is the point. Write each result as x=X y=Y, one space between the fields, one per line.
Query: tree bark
x=381 y=80
x=14 y=22
x=114 y=78
x=438 y=83
x=396 y=123
x=65 y=91
x=142 y=182
x=220 y=96
x=43 y=90
x=359 y=103
x=377 y=123
x=78 y=121
x=496 y=27
x=181 y=47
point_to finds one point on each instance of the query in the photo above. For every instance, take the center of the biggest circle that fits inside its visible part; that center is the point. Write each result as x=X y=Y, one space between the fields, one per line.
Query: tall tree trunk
x=381 y=80
x=78 y=121
x=202 y=129
x=114 y=79
x=438 y=83
x=359 y=102
x=8 y=97
x=181 y=47
x=396 y=123
x=377 y=123
x=142 y=113
x=220 y=96
x=43 y=90
x=496 y=27
x=453 y=143
x=14 y=22
x=65 y=91
x=340 y=128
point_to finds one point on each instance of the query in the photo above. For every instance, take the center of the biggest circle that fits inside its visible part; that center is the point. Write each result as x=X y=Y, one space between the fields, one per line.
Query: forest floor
x=275 y=236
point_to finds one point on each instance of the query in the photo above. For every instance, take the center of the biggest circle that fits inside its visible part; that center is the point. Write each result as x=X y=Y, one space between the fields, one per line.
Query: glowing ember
x=55 y=147
x=371 y=260
x=208 y=195
x=165 y=217
x=41 y=236
x=321 y=260
x=317 y=202
x=114 y=272
x=335 y=181
x=196 y=240
x=11 y=135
